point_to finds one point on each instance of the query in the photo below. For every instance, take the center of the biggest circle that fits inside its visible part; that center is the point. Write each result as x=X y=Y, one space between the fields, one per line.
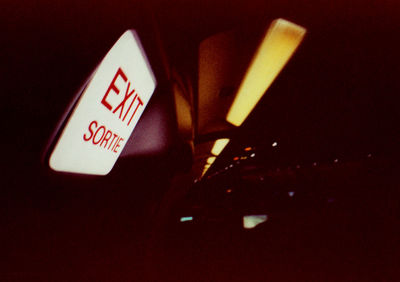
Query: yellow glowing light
x=279 y=44
x=219 y=145
x=206 y=167
x=210 y=160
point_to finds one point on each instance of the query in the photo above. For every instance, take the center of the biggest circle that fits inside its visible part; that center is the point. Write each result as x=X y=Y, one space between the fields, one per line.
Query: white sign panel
x=107 y=111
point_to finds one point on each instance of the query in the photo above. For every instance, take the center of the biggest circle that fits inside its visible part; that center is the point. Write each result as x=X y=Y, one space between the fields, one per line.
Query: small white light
x=314 y=164
x=291 y=193
x=231 y=165
x=186 y=218
x=274 y=144
x=251 y=221
x=336 y=160
x=253 y=155
x=226 y=168
x=369 y=155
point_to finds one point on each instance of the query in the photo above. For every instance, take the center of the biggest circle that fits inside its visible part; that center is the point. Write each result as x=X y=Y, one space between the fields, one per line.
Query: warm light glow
x=247 y=149
x=236 y=158
x=278 y=45
x=219 y=145
x=210 y=160
x=206 y=167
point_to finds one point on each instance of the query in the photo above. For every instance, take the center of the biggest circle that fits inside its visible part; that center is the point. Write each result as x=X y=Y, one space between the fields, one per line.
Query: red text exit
x=122 y=109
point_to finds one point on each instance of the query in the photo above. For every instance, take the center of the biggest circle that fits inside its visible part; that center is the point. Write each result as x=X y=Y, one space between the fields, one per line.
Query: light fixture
x=206 y=167
x=204 y=170
x=210 y=160
x=280 y=42
x=219 y=145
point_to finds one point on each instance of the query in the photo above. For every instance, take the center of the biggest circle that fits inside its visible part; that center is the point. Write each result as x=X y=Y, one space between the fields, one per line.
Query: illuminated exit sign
x=107 y=111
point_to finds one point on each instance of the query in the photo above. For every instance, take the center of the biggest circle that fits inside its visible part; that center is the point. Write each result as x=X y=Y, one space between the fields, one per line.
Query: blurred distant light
x=243 y=158
x=291 y=193
x=314 y=164
x=280 y=42
x=231 y=165
x=253 y=155
x=247 y=149
x=235 y=158
x=206 y=167
x=186 y=218
x=336 y=160
x=226 y=168
x=219 y=145
x=210 y=160
x=251 y=221
x=298 y=166
x=274 y=144
x=369 y=155
x=228 y=191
